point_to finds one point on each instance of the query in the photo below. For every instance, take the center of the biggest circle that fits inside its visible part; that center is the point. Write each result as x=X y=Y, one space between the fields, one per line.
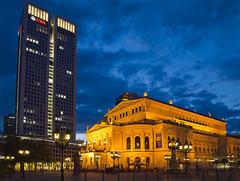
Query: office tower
x=9 y=125
x=46 y=77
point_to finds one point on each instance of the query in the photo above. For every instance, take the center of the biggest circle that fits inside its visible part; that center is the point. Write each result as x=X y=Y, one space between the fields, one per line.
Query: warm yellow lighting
x=56 y=136
x=27 y=152
x=97 y=156
x=67 y=137
x=190 y=146
x=21 y=152
x=65 y=25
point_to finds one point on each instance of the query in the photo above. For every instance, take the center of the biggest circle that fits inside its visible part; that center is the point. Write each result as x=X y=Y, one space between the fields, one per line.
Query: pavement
x=204 y=175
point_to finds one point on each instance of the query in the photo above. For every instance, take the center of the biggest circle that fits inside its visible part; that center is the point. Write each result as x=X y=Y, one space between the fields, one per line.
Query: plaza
x=208 y=175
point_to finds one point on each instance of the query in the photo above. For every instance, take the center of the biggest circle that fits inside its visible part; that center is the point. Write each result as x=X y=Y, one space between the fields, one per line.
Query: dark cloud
x=186 y=50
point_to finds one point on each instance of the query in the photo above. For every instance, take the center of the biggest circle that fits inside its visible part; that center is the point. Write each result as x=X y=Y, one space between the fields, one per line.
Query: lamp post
x=167 y=158
x=105 y=151
x=62 y=139
x=97 y=157
x=115 y=155
x=118 y=157
x=173 y=144
x=23 y=153
x=186 y=148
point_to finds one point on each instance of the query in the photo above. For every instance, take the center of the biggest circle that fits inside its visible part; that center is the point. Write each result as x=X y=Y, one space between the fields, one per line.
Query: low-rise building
x=9 y=125
x=139 y=131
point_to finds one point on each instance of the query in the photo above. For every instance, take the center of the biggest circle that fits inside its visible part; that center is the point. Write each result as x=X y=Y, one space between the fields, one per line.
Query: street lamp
x=115 y=155
x=97 y=157
x=173 y=144
x=118 y=157
x=23 y=153
x=167 y=158
x=186 y=148
x=62 y=139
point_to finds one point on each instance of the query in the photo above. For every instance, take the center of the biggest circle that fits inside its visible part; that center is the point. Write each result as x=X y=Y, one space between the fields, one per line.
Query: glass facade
x=45 y=70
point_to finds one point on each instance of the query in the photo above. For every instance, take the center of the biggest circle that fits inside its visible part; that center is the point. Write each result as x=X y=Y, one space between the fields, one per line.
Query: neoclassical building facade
x=136 y=132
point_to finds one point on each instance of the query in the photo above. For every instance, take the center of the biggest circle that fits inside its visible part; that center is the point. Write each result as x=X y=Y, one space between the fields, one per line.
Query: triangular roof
x=97 y=126
x=123 y=104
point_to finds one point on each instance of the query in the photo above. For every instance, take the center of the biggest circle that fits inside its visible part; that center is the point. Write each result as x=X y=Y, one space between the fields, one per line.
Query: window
x=146 y=142
x=128 y=143
x=136 y=110
x=140 y=109
x=126 y=113
x=137 y=142
x=132 y=111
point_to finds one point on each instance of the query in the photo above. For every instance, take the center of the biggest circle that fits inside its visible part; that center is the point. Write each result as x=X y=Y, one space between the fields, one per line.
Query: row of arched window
x=137 y=142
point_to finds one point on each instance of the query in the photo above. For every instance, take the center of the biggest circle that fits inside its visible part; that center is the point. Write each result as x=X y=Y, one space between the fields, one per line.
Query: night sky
x=188 y=51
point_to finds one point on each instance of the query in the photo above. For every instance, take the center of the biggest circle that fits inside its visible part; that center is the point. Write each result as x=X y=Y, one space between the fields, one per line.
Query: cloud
x=181 y=50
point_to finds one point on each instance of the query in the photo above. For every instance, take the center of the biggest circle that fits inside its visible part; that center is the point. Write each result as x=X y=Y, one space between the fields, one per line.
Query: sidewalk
x=130 y=176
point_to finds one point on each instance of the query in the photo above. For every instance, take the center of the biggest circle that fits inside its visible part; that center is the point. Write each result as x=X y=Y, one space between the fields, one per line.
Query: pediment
x=97 y=126
x=123 y=104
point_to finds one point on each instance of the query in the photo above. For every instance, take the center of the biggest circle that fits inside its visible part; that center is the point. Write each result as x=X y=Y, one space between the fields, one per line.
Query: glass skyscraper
x=46 y=77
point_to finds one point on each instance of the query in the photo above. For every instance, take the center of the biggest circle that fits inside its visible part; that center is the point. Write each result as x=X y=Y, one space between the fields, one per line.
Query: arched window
x=137 y=142
x=128 y=143
x=146 y=142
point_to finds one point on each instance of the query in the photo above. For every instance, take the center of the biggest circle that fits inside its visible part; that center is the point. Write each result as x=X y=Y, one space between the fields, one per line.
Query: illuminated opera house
x=141 y=131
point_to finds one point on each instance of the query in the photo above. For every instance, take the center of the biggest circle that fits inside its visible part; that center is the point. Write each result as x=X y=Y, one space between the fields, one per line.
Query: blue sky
x=188 y=51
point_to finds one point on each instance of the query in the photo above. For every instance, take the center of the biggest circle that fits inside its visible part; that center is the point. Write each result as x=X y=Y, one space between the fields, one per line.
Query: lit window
x=50 y=81
x=137 y=142
x=69 y=72
x=146 y=142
